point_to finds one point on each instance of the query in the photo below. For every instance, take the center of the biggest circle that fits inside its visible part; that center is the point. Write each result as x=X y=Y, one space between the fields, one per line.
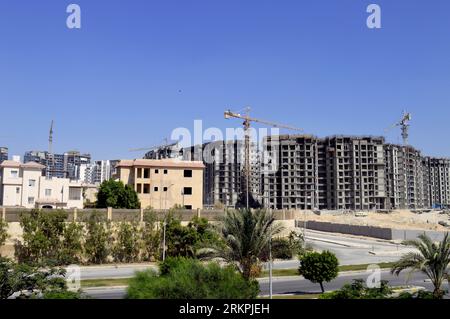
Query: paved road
x=293 y=285
x=111 y=271
x=350 y=250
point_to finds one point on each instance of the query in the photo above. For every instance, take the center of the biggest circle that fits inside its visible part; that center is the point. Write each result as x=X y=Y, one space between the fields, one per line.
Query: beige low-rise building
x=162 y=184
x=23 y=185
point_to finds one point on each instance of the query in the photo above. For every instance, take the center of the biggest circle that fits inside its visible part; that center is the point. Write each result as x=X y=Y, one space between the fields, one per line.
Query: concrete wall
x=373 y=232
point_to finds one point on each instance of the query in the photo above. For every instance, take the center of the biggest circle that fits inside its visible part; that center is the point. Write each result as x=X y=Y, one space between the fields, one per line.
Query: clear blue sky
x=138 y=69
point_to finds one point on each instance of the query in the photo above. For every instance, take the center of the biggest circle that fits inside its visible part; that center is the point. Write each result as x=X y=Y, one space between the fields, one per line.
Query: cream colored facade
x=162 y=184
x=22 y=185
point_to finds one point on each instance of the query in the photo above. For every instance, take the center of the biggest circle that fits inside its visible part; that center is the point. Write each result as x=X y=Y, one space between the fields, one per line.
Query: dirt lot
x=401 y=219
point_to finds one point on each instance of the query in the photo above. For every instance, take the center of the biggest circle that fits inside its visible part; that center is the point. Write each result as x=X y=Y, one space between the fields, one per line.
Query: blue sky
x=138 y=69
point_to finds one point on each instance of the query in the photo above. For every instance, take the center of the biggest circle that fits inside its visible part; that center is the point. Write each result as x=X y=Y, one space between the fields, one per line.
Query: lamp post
x=270 y=259
x=164 y=224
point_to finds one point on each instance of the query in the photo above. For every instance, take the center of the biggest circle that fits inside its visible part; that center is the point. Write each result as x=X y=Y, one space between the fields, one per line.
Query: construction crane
x=50 y=151
x=166 y=146
x=247 y=120
x=404 y=124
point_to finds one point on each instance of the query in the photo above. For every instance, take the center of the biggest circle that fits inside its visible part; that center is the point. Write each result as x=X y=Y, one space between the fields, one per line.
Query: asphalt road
x=293 y=285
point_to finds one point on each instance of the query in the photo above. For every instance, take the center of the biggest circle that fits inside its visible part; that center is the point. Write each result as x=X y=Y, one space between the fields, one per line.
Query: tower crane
x=247 y=120
x=166 y=146
x=404 y=124
x=50 y=151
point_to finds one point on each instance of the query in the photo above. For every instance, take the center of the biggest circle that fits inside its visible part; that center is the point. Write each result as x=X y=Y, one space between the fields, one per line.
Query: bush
x=183 y=278
x=150 y=237
x=281 y=249
x=126 y=247
x=3 y=232
x=98 y=239
x=25 y=281
x=319 y=267
x=117 y=195
x=72 y=244
x=42 y=233
x=358 y=290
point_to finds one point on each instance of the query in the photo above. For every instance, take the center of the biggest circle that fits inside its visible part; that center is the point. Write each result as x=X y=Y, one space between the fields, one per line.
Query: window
x=139 y=188
x=156 y=171
x=17 y=190
x=74 y=193
x=146 y=188
x=14 y=174
x=188 y=206
x=32 y=183
x=48 y=192
x=139 y=173
x=155 y=189
x=165 y=189
x=146 y=172
x=187 y=173
x=165 y=171
x=187 y=191
x=30 y=200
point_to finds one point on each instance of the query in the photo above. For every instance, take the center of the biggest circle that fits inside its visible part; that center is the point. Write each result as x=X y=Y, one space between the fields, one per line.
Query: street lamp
x=164 y=224
x=270 y=258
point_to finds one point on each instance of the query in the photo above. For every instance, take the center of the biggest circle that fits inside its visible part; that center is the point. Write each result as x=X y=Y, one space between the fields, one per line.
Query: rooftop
x=161 y=163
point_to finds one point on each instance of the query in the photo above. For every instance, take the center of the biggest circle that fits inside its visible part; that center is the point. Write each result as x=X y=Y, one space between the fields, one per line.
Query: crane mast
x=246 y=124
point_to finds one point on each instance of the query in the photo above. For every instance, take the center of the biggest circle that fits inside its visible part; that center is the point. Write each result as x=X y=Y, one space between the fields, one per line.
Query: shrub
x=150 y=237
x=358 y=290
x=25 y=281
x=72 y=244
x=319 y=267
x=42 y=233
x=3 y=232
x=183 y=278
x=98 y=239
x=126 y=247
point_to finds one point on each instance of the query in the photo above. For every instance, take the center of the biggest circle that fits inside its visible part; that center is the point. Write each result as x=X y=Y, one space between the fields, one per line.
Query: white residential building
x=22 y=185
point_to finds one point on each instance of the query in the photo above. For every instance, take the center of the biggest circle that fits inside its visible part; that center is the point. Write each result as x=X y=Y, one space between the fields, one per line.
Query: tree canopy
x=117 y=195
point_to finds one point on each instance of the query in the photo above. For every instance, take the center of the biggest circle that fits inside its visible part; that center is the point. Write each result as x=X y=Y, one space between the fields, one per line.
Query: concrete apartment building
x=224 y=162
x=340 y=172
x=23 y=185
x=405 y=172
x=65 y=165
x=162 y=184
x=3 y=154
x=437 y=182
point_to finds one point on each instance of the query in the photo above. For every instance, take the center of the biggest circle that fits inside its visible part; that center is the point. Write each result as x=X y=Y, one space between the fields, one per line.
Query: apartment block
x=406 y=181
x=65 y=165
x=23 y=185
x=290 y=172
x=3 y=154
x=340 y=172
x=437 y=176
x=223 y=174
x=162 y=184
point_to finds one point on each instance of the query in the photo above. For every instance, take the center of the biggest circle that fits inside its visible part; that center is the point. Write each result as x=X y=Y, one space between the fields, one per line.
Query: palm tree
x=246 y=235
x=432 y=259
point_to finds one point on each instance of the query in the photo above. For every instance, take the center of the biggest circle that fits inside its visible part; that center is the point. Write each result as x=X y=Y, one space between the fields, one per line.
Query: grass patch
x=105 y=282
x=294 y=272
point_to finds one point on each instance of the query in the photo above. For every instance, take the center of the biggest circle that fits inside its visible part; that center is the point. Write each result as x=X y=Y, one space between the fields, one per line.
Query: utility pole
x=270 y=259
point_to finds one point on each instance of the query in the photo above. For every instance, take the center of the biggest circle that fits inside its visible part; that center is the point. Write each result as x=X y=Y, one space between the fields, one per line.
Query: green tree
x=150 y=237
x=98 y=239
x=246 y=235
x=183 y=278
x=42 y=237
x=126 y=247
x=117 y=195
x=72 y=244
x=3 y=232
x=319 y=267
x=432 y=259
x=30 y=281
